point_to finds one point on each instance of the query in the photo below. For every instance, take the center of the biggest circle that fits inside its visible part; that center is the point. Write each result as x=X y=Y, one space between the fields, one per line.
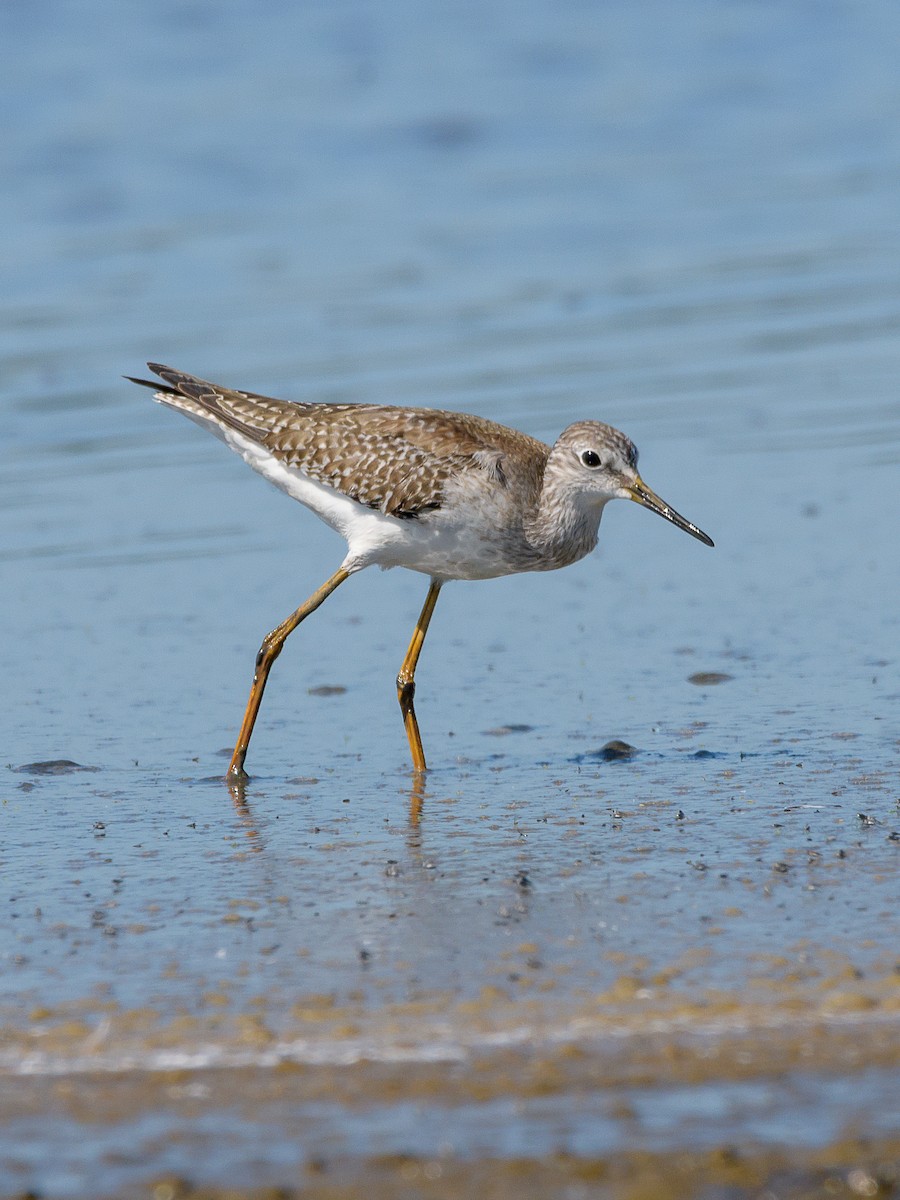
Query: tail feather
x=151 y=383
x=199 y=399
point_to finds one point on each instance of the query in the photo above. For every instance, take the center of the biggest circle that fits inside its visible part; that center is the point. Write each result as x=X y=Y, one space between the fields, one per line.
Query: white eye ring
x=591 y=458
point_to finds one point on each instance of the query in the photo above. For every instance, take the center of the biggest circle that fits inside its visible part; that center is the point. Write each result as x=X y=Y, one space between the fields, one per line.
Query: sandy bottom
x=635 y=1092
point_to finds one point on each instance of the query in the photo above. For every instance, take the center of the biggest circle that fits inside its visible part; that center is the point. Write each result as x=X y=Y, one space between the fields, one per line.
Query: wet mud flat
x=590 y=988
x=707 y=1097
x=629 y=1177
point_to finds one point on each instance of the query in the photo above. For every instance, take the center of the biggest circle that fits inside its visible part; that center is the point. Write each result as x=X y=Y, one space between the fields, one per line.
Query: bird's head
x=600 y=463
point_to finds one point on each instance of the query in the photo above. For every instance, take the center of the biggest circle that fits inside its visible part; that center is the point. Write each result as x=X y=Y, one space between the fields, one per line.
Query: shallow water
x=687 y=228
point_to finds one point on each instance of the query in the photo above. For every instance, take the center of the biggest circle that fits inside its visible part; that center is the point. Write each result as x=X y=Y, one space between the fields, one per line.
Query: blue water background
x=682 y=220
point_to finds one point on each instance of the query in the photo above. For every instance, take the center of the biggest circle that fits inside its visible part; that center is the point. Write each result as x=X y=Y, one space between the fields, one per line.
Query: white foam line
x=442 y=1047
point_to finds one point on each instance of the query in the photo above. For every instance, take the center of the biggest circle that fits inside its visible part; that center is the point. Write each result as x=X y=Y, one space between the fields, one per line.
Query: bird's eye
x=591 y=458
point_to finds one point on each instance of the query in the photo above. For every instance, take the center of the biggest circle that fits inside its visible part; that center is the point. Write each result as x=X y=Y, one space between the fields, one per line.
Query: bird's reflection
x=237 y=787
x=416 y=799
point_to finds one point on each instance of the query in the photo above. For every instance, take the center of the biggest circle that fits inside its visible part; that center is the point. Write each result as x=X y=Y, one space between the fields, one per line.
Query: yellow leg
x=268 y=652
x=406 y=683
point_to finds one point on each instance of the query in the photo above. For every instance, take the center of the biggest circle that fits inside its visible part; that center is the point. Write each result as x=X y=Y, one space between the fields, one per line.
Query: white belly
x=439 y=543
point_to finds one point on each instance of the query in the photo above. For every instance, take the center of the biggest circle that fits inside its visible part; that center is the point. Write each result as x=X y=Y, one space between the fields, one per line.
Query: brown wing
x=396 y=460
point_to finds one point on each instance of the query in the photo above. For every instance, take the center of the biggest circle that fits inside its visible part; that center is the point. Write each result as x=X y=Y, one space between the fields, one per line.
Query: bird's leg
x=268 y=652
x=406 y=683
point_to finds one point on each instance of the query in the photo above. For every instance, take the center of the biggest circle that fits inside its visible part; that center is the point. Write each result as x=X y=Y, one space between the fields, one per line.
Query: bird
x=449 y=495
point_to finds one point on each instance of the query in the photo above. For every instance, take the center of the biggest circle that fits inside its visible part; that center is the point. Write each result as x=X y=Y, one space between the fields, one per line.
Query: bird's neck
x=563 y=527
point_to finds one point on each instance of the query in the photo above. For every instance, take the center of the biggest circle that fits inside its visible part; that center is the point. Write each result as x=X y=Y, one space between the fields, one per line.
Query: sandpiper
x=447 y=494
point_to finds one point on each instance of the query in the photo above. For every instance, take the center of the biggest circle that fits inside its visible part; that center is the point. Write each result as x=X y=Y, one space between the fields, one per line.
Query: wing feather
x=396 y=460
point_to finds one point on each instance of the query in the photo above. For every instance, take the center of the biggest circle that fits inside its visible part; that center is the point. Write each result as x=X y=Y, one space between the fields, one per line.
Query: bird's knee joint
x=406 y=689
x=267 y=654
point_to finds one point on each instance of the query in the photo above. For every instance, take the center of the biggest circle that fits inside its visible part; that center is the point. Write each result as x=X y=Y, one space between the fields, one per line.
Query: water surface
x=685 y=226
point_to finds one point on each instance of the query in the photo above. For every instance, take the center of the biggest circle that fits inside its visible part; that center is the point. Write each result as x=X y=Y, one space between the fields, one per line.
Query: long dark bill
x=641 y=494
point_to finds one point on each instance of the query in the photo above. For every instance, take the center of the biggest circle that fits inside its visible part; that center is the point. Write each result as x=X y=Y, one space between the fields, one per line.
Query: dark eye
x=591 y=458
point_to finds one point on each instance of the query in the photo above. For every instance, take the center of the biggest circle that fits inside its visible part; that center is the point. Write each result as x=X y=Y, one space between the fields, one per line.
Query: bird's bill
x=647 y=498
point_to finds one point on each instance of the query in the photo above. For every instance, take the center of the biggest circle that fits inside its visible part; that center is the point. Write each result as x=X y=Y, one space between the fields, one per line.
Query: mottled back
x=396 y=460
